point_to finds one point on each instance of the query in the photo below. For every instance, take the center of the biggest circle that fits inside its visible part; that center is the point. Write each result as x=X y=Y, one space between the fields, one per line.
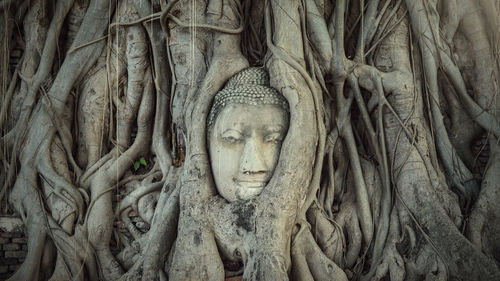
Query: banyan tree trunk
x=389 y=170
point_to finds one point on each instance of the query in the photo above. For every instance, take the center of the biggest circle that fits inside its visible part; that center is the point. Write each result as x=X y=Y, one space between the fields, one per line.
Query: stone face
x=244 y=149
x=247 y=124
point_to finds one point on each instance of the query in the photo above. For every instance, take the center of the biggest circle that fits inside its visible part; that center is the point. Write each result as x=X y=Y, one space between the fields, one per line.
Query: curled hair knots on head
x=249 y=86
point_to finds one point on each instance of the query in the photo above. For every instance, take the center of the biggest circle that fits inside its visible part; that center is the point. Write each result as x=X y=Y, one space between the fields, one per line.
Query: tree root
x=310 y=262
x=62 y=188
x=408 y=232
x=131 y=200
x=201 y=260
x=162 y=234
x=483 y=226
x=348 y=219
x=328 y=234
x=163 y=80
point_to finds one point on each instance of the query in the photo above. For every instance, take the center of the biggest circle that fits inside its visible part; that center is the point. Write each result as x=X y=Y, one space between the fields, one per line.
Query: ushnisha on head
x=246 y=126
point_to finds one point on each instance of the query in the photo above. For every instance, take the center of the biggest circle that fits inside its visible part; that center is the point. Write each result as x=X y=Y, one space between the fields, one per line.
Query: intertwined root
x=359 y=190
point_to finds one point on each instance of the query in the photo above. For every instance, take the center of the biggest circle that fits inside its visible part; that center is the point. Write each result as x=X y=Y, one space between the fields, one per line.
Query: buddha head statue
x=246 y=126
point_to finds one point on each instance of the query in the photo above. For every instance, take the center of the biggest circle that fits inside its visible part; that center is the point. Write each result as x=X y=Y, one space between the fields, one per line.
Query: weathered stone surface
x=11 y=225
x=15 y=254
x=20 y=240
x=11 y=247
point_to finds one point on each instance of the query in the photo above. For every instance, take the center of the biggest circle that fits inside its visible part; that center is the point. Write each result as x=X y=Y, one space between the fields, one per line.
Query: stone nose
x=252 y=158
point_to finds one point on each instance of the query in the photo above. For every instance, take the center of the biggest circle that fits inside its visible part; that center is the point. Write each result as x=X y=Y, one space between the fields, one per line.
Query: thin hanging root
x=163 y=78
x=319 y=266
x=340 y=67
x=383 y=169
x=371 y=78
x=330 y=189
x=485 y=119
x=368 y=27
x=164 y=15
x=318 y=34
x=7 y=98
x=381 y=156
x=11 y=175
x=363 y=203
x=44 y=68
x=7 y=4
x=422 y=24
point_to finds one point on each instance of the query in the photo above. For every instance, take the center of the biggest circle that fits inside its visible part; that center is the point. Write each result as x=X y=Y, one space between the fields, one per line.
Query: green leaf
x=143 y=162
x=137 y=164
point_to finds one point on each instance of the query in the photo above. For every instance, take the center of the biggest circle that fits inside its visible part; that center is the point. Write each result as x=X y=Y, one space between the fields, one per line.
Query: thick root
x=310 y=258
x=328 y=234
x=483 y=229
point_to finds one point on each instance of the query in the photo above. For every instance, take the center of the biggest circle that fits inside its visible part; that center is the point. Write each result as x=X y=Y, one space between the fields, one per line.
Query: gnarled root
x=309 y=262
x=483 y=229
x=391 y=262
x=328 y=234
x=161 y=236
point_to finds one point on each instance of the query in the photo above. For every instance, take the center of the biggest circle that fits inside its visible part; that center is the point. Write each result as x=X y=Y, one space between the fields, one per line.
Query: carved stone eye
x=232 y=137
x=273 y=138
x=231 y=140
